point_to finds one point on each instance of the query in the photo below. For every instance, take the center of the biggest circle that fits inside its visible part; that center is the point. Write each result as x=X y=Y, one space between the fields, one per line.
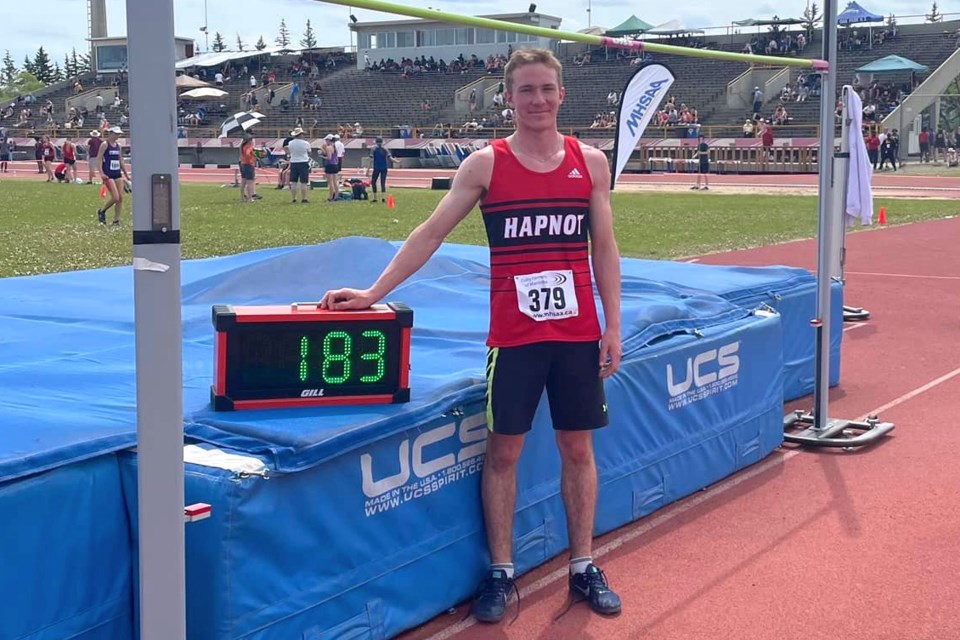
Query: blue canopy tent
x=855 y=14
x=893 y=64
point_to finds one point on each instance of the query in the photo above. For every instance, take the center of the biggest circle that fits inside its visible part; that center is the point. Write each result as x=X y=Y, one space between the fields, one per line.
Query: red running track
x=807 y=544
x=890 y=184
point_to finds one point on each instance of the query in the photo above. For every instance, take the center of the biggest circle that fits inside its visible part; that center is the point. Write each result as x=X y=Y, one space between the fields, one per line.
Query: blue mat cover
x=791 y=291
x=65 y=541
x=80 y=351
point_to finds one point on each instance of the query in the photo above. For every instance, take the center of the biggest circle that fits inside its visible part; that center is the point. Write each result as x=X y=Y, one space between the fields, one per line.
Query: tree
x=57 y=73
x=83 y=63
x=811 y=16
x=934 y=15
x=28 y=66
x=8 y=73
x=239 y=43
x=42 y=68
x=68 y=70
x=775 y=29
x=309 y=39
x=261 y=45
x=218 y=43
x=75 y=63
x=24 y=82
x=283 y=37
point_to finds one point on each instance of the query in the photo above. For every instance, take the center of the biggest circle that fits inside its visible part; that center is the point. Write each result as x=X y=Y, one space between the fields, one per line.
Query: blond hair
x=523 y=57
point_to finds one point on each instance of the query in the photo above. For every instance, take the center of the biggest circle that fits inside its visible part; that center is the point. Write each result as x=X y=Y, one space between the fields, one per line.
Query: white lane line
x=853 y=325
x=900 y=275
x=680 y=509
x=912 y=394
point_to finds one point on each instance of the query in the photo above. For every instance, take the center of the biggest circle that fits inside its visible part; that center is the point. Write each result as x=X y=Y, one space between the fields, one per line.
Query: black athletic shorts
x=704 y=165
x=247 y=172
x=300 y=172
x=569 y=371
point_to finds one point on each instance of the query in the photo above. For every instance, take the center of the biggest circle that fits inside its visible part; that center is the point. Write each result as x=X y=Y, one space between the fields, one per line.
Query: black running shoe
x=490 y=603
x=591 y=585
x=101 y=216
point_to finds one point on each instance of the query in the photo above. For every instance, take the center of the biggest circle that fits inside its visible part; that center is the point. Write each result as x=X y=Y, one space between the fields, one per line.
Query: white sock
x=579 y=565
x=506 y=567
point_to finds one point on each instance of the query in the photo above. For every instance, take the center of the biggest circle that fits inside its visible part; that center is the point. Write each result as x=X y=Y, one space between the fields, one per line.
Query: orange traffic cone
x=882 y=217
x=390 y=203
x=103 y=192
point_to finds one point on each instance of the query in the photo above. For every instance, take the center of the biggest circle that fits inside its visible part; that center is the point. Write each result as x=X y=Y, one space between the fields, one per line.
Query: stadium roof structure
x=672 y=28
x=217 y=58
x=631 y=26
x=752 y=22
x=525 y=17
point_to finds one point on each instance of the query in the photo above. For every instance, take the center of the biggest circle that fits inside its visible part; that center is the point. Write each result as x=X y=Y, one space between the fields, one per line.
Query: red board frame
x=226 y=317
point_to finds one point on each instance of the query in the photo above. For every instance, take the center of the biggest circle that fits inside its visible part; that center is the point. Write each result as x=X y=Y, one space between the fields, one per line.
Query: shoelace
x=498 y=586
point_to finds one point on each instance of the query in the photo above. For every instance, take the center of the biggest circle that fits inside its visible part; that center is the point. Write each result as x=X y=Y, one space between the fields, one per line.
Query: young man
x=299 y=151
x=381 y=157
x=113 y=171
x=544 y=329
x=703 y=154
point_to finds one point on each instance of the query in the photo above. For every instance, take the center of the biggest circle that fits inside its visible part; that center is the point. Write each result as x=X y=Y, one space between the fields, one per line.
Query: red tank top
x=537 y=227
x=69 y=151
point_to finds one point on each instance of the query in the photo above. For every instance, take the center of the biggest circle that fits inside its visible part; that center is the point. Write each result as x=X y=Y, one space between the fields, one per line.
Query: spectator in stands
x=757 y=99
x=780 y=116
x=748 y=129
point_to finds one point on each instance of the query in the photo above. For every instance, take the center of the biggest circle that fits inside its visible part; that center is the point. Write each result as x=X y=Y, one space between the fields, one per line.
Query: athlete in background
x=114 y=172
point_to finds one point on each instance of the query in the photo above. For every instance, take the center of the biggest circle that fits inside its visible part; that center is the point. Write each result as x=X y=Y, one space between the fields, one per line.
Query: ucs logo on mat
x=433 y=460
x=707 y=373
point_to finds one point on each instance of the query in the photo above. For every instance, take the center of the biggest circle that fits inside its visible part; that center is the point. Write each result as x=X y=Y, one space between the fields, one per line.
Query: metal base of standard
x=855 y=314
x=845 y=434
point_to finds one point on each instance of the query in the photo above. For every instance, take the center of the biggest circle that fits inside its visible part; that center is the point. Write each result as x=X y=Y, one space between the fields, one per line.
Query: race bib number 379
x=548 y=295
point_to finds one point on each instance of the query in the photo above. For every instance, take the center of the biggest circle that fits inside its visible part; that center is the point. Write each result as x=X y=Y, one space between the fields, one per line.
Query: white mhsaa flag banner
x=639 y=101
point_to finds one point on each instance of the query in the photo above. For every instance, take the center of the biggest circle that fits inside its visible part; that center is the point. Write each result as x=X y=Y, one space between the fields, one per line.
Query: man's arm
x=471 y=180
x=606 y=259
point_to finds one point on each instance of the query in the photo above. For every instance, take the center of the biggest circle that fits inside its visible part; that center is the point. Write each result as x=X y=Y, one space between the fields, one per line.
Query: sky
x=23 y=32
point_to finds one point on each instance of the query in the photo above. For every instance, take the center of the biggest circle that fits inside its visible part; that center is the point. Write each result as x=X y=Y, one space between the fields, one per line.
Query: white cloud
x=23 y=32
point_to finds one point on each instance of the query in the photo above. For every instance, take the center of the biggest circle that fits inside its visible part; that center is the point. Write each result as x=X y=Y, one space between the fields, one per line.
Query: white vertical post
x=156 y=243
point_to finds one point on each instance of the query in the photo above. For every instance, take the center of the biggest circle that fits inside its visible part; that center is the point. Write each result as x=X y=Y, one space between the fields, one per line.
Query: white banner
x=639 y=101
